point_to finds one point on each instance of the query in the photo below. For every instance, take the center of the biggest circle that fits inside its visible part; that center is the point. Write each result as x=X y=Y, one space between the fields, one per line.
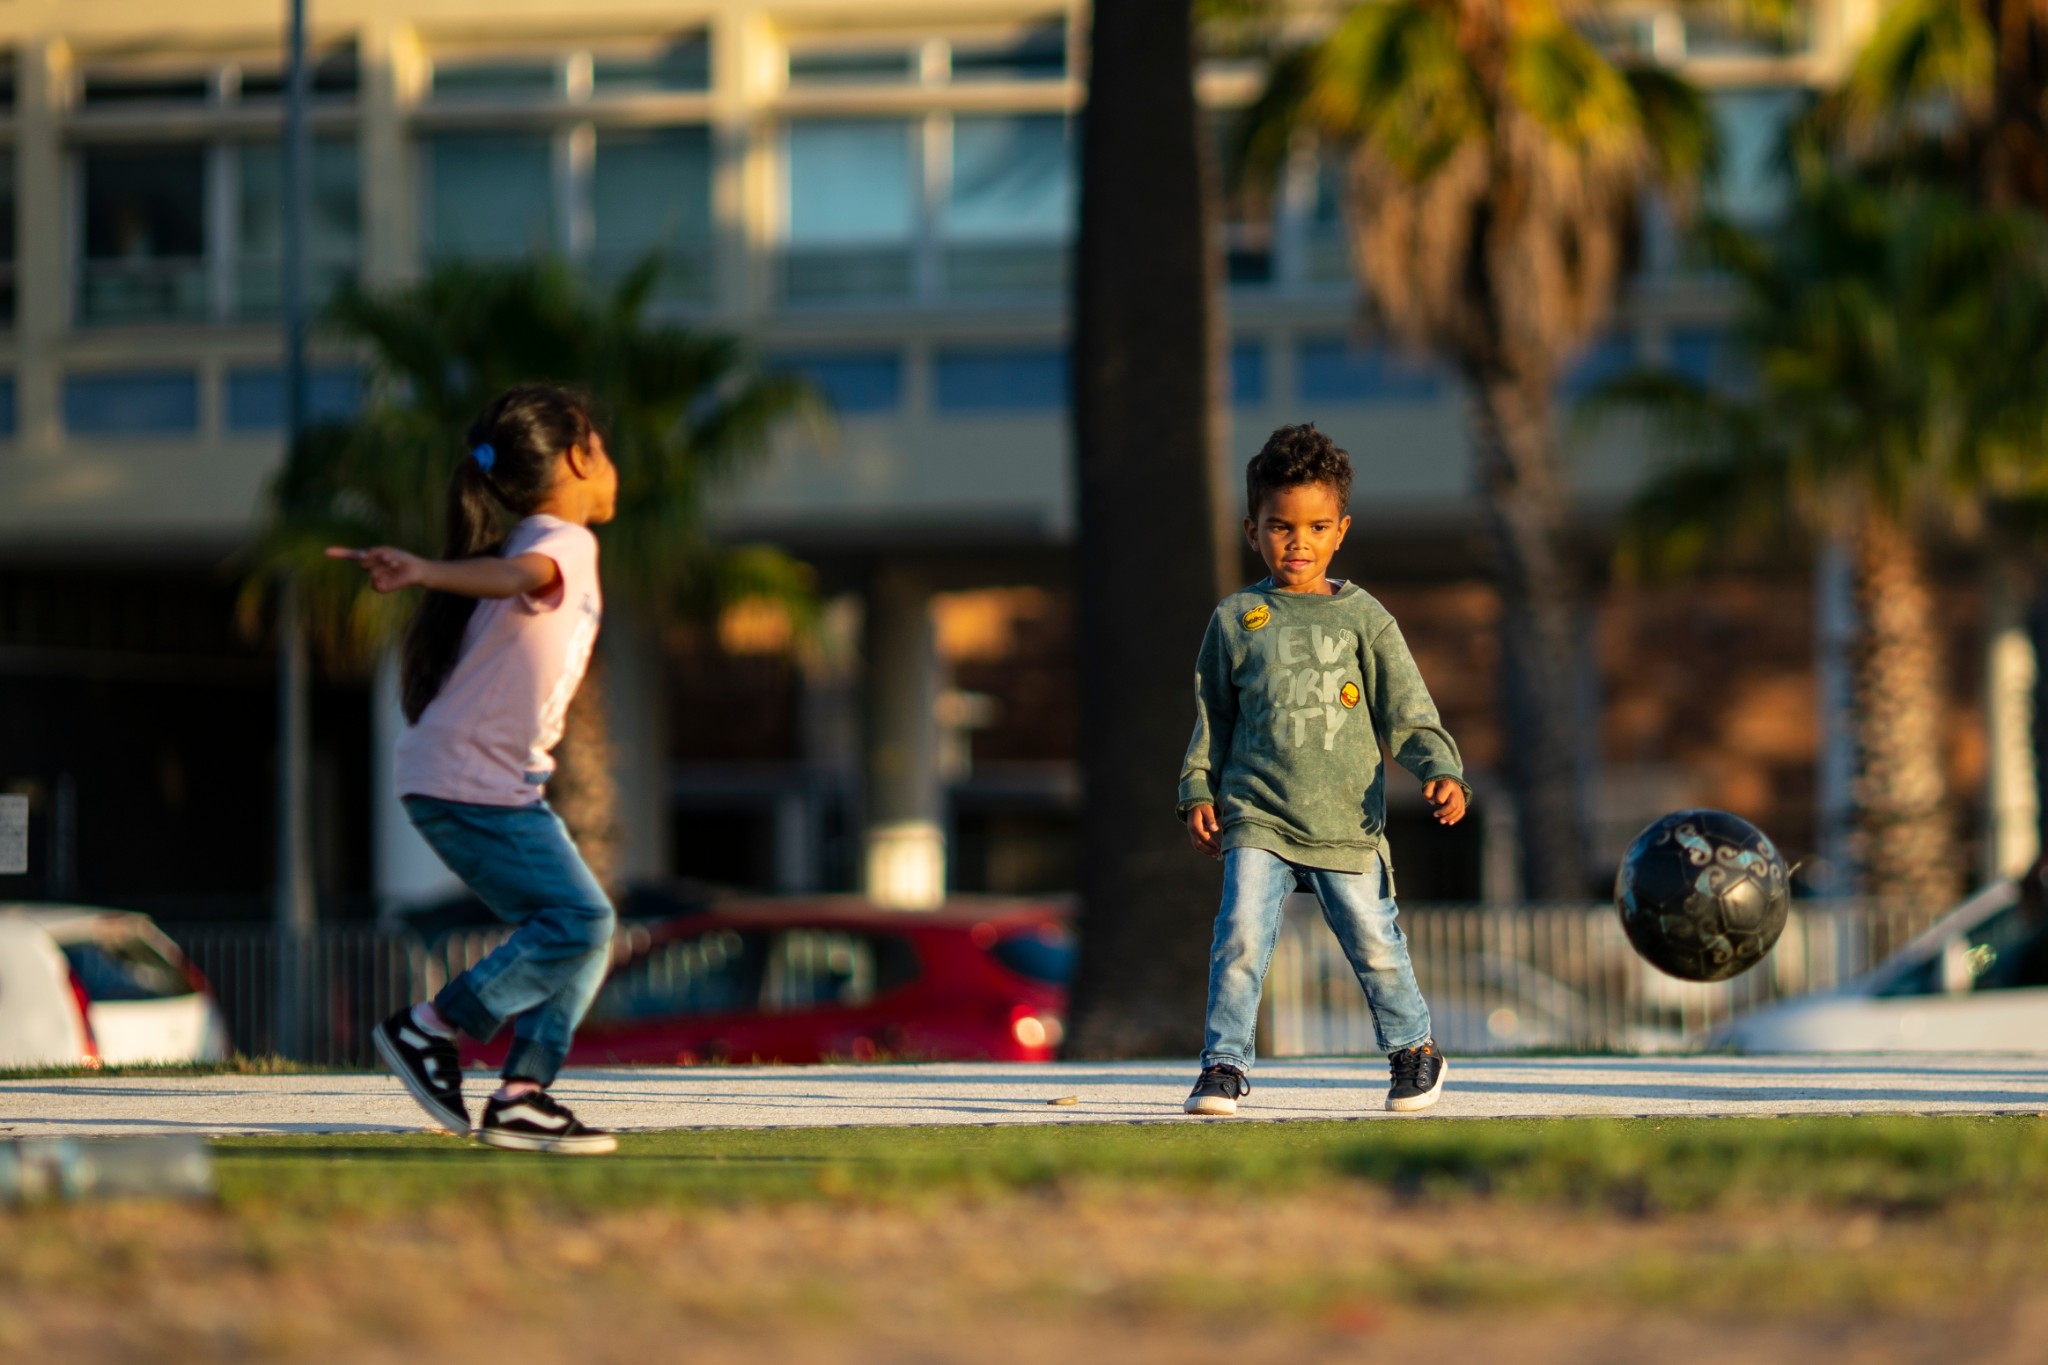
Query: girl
x=494 y=655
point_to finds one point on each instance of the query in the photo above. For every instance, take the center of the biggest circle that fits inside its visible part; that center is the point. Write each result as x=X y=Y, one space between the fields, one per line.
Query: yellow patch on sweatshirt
x=1348 y=694
x=1256 y=617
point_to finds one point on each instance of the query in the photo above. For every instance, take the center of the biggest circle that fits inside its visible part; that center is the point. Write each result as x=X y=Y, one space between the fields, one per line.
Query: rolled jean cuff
x=1210 y=1059
x=532 y=1061
x=458 y=1004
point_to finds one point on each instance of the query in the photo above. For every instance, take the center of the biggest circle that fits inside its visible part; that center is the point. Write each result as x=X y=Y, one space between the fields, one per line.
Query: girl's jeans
x=520 y=861
x=1359 y=911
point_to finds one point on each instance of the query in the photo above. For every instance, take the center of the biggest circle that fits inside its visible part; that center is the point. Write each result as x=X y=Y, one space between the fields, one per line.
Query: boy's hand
x=1446 y=800
x=1203 y=830
x=389 y=569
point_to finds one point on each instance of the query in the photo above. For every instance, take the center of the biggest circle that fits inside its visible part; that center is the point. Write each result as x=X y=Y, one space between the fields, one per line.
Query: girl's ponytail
x=514 y=445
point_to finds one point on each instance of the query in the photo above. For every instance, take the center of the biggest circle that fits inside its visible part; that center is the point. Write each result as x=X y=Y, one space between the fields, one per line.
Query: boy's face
x=1296 y=530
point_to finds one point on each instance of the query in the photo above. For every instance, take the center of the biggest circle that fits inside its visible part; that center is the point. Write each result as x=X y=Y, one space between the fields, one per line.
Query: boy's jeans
x=1359 y=911
x=520 y=861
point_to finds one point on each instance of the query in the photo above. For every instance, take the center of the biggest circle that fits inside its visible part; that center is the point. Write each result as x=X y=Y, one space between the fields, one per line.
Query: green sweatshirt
x=1283 y=749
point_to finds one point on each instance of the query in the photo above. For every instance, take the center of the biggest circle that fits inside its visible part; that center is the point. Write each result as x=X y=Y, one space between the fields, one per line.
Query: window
x=1040 y=55
x=498 y=78
x=1334 y=371
x=145 y=234
x=851 y=202
x=115 y=87
x=1326 y=253
x=1606 y=359
x=1754 y=184
x=1248 y=374
x=132 y=403
x=1010 y=380
x=683 y=64
x=651 y=191
x=255 y=396
x=491 y=195
x=125 y=969
x=1045 y=954
x=825 y=66
x=855 y=384
x=6 y=406
x=1011 y=205
x=812 y=969
x=6 y=235
x=333 y=225
x=335 y=75
x=718 y=972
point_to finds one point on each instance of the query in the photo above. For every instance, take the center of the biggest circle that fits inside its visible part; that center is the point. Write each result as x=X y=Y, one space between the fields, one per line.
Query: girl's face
x=589 y=476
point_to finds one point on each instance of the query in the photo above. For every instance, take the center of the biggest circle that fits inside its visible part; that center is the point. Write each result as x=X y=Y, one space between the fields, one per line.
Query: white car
x=1977 y=981
x=100 y=987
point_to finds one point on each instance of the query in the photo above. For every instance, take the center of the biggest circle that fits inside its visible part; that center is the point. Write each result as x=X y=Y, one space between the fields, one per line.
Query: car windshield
x=1045 y=953
x=730 y=971
x=129 y=968
x=2005 y=951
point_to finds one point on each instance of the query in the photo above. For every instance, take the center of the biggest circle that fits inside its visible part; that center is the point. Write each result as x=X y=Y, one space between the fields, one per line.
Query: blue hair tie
x=484 y=456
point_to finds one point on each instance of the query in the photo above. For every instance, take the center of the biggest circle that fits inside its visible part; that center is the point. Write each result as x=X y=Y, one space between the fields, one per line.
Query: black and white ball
x=1703 y=894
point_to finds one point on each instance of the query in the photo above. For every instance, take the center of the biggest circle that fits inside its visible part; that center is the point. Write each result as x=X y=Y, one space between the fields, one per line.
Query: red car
x=831 y=978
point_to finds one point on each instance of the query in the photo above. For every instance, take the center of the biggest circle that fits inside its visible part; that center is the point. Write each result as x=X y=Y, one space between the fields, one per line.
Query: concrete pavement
x=1116 y=1092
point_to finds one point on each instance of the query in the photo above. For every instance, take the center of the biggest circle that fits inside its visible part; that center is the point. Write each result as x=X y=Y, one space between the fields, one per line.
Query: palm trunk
x=1522 y=487
x=1908 y=846
x=585 y=790
x=1149 y=569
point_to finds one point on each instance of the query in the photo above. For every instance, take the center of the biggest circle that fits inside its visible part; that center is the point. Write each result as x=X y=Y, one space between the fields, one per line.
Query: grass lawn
x=1562 y=1240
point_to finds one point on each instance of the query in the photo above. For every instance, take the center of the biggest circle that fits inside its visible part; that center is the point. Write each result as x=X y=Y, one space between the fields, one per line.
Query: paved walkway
x=1124 y=1092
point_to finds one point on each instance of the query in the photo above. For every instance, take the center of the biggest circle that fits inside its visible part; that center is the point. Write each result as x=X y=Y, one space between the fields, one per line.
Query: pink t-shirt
x=485 y=736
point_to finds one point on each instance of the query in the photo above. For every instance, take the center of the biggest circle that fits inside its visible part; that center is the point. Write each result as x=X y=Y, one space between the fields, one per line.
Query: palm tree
x=1896 y=342
x=1496 y=160
x=1954 y=90
x=681 y=410
x=1147 y=361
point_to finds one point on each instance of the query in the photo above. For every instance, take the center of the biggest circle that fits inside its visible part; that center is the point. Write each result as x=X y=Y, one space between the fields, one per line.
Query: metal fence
x=1497 y=980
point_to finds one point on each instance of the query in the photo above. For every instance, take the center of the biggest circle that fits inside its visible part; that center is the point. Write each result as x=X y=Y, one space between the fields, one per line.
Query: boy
x=1299 y=680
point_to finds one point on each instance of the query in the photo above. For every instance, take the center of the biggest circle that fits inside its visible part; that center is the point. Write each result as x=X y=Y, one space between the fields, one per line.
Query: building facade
x=880 y=196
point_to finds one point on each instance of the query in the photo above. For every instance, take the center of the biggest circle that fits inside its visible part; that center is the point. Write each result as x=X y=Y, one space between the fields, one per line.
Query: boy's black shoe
x=538 y=1122
x=427 y=1063
x=1218 y=1091
x=1418 y=1077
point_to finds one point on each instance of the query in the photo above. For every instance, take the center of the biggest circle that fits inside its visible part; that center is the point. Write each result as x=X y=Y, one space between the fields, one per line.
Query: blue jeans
x=520 y=861
x=1358 y=909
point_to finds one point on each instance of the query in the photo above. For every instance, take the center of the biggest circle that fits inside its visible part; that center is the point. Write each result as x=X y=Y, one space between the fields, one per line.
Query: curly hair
x=1293 y=456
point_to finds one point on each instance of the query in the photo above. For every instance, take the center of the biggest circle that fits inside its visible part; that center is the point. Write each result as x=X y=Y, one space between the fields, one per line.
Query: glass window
x=504 y=78
x=855 y=384
x=1012 y=177
x=1706 y=356
x=333 y=229
x=682 y=65
x=255 y=396
x=853 y=66
x=6 y=235
x=1046 y=954
x=1754 y=184
x=851 y=209
x=1608 y=358
x=712 y=973
x=652 y=191
x=6 y=405
x=336 y=74
x=812 y=969
x=1335 y=371
x=113 y=87
x=491 y=195
x=1040 y=55
x=132 y=403
x=125 y=969
x=1248 y=374
x=145 y=234
x=1012 y=380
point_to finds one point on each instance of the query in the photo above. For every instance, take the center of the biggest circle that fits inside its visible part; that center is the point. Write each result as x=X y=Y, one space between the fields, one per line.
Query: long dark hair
x=526 y=429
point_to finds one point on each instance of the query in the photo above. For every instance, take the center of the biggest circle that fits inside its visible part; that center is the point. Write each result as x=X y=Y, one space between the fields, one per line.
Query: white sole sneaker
x=455 y=1122
x=1210 y=1106
x=1410 y=1103
x=584 y=1144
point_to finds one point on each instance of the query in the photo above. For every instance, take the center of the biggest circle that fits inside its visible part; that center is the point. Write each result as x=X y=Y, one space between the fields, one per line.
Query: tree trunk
x=584 y=790
x=1905 y=830
x=1522 y=487
x=1152 y=530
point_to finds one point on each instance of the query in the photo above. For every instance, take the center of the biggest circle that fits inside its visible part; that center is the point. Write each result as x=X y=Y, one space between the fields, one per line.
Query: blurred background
x=881 y=201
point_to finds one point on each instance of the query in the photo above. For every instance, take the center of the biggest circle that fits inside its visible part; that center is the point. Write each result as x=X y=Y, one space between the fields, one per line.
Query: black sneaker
x=1418 y=1077
x=1218 y=1091
x=427 y=1063
x=538 y=1122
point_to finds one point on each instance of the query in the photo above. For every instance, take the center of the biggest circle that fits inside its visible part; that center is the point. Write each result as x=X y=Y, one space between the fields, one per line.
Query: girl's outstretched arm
x=391 y=569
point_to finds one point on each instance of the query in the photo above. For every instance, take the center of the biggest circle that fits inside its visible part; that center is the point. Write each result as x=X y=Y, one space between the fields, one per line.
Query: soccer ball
x=1703 y=894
